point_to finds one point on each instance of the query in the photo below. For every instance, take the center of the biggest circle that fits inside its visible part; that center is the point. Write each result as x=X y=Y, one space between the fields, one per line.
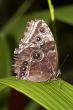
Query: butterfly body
x=36 y=57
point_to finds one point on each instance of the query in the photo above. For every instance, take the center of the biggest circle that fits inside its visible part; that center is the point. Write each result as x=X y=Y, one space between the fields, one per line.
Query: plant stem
x=52 y=15
x=51 y=8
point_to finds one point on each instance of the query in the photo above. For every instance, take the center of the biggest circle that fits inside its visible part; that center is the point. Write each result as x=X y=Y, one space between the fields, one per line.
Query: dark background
x=64 y=31
x=8 y=7
x=18 y=101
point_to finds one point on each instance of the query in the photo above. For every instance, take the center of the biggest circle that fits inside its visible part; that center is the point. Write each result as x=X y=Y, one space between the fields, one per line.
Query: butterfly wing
x=36 y=57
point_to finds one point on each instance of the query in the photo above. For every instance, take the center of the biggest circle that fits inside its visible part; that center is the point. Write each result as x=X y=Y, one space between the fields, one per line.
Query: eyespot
x=36 y=55
x=23 y=68
x=22 y=74
x=25 y=63
x=42 y=29
x=38 y=38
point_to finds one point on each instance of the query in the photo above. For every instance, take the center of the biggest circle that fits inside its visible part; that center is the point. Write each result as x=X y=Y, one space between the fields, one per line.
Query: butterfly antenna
x=59 y=72
x=65 y=59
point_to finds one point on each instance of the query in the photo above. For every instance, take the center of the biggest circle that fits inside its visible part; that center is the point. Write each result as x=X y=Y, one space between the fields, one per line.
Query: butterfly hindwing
x=36 y=58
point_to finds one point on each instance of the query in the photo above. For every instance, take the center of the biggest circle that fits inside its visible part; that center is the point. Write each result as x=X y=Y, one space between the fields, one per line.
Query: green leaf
x=16 y=26
x=23 y=8
x=2 y=86
x=65 y=14
x=17 y=15
x=4 y=96
x=5 y=60
x=50 y=95
x=32 y=106
x=5 y=55
x=61 y=14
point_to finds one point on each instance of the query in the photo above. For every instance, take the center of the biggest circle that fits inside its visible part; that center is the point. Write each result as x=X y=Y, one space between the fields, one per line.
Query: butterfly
x=36 y=58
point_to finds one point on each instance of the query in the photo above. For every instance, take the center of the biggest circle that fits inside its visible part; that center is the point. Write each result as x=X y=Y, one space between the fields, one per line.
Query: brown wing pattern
x=36 y=57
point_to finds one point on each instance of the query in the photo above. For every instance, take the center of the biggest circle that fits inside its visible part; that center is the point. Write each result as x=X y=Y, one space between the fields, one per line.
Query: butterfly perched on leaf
x=36 y=57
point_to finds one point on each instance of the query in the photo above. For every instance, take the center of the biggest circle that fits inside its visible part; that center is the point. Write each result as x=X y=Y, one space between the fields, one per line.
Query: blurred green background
x=14 y=15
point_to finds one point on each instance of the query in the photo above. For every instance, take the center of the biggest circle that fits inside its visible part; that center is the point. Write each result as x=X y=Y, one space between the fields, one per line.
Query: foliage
x=50 y=95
